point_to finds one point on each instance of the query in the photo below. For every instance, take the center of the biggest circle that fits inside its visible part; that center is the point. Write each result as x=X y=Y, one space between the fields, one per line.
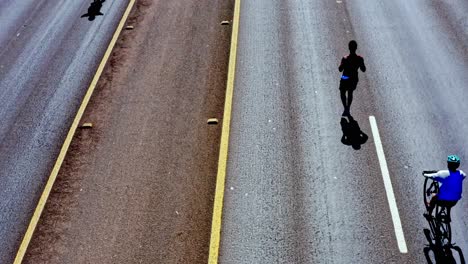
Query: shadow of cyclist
x=352 y=134
x=443 y=255
x=94 y=10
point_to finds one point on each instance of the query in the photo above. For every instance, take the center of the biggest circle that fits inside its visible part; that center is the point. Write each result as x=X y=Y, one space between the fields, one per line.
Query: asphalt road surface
x=294 y=192
x=138 y=187
x=48 y=57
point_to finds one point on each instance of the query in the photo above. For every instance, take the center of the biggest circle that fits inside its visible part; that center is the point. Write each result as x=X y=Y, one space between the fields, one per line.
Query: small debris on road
x=87 y=125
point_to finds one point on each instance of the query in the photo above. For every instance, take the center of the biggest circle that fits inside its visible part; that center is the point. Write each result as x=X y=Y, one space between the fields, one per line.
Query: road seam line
x=53 y=175
x=388 y=187
x=223 y=151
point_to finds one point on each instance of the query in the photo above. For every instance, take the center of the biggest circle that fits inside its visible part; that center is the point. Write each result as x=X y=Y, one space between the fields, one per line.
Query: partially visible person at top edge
x=349 y=66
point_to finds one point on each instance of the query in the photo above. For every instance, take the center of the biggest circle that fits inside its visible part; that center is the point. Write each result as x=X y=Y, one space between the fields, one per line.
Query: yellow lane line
x=53 y=175
x=223 y=152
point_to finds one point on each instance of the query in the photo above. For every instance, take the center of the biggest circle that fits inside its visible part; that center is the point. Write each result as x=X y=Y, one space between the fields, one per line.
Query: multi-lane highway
x=296 y=190
x=48 y=57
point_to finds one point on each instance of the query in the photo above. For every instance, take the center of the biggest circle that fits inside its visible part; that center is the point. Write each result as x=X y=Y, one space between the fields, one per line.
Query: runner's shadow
x=352 y=134
x=94 y=10
x=441 y=254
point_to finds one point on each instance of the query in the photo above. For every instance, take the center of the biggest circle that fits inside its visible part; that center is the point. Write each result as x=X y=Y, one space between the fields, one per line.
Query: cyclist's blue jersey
x=451 y=184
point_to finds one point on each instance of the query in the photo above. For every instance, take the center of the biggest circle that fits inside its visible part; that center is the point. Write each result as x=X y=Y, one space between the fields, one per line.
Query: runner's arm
x=363 y=66
x=341 y=67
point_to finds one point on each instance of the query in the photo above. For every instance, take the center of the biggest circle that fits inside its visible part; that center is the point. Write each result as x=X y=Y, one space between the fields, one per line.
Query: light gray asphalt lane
x=294 y=192
x=48 y=57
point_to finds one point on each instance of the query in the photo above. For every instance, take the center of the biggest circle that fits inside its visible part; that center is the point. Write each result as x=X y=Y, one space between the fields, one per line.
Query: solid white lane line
x=388 y=187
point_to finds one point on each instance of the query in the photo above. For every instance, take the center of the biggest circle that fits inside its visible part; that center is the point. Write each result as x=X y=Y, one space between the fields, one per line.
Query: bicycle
x=440 y=233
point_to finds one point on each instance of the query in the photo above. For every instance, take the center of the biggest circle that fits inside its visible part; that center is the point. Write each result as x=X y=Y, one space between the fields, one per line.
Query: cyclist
x=451 y=184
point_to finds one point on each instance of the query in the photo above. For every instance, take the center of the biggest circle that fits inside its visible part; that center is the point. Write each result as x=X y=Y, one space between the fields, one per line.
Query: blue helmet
x=453 y=159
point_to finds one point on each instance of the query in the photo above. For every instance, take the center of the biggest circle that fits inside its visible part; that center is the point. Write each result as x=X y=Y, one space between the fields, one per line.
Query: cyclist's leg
x=448 y=205
x=432 y=204
x=449 y=208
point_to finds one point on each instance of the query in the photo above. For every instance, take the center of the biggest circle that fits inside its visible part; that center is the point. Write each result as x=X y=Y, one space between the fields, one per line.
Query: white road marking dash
x=388 y=187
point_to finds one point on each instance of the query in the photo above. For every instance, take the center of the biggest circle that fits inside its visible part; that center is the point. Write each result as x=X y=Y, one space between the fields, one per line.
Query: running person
x=349 y=66
x=451 y=184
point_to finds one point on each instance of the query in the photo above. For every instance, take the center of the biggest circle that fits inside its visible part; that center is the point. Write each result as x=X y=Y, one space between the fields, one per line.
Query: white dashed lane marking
x=388 y=187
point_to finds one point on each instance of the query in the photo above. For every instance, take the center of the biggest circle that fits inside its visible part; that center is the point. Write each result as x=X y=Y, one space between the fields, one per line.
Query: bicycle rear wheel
x=445 y=230
x=444 y=236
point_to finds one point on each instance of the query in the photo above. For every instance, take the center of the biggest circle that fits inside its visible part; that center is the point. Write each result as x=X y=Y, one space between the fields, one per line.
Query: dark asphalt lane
x=47 y=59
x=294 y=192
